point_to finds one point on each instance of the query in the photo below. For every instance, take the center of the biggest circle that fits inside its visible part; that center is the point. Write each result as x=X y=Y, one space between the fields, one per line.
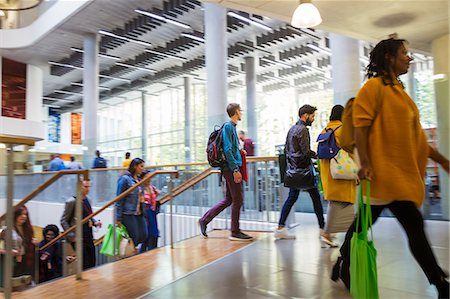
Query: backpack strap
x=332 y=131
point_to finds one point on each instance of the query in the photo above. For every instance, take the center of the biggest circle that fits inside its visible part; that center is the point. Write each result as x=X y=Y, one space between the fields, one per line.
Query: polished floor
x=301 y=268
x=266 y=268
x=135 y=276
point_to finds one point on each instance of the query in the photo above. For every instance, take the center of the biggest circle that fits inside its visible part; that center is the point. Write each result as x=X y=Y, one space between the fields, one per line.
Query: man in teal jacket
x=234 y=195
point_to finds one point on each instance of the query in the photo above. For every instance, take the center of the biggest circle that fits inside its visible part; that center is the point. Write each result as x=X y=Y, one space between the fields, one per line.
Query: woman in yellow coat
x=340 y=194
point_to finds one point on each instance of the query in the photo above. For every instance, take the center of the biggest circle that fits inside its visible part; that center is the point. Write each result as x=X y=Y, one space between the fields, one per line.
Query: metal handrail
x=188 y=184
x=177 y=191
x=249 y=159
x=119 y=197
x=42 y=187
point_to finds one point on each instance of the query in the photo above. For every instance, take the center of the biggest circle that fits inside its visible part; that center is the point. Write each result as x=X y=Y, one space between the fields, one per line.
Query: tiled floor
x=301 y=268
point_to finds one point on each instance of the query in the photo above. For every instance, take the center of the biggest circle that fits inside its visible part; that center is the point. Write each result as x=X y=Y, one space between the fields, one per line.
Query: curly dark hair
x=379 y=57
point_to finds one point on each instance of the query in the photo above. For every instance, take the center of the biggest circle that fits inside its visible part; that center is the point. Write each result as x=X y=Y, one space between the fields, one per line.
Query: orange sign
x=76 y=128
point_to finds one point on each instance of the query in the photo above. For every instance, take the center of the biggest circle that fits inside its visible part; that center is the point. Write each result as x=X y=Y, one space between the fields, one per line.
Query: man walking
x=99 y=161
x=68 y=220
x=232 y=173
x=298 y=157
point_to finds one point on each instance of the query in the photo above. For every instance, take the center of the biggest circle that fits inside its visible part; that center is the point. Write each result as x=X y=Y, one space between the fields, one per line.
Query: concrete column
x=216 y=63
x=250 y=83
x=144 y=127
x=35 y=82
x=412 y=86
x=345 y=67
x=90 y=98
x=440 y=50
x=187 y=120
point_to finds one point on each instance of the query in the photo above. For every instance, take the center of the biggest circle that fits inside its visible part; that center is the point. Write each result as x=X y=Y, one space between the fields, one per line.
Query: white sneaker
x=283 y=234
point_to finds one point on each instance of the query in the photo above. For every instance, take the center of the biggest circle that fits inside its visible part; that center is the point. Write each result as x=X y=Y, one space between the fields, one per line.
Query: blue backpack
x=327 y=147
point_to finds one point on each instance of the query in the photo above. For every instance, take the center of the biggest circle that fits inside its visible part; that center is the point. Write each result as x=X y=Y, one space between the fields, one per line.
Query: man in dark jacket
x=298 y=158
x=68 y=220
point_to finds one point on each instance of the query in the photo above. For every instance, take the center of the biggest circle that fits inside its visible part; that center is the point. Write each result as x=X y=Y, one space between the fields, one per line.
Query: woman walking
x=393 y=152
x=340 y=194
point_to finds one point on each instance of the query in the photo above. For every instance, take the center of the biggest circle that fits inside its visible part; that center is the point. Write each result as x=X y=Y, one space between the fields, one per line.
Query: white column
x=144 y=127
x=35 y=82
x=66 y=128
x=345 y=67
x=90 y=98
x=187 y=120
x=216 y=62
x=250 y=83
x=440 y=50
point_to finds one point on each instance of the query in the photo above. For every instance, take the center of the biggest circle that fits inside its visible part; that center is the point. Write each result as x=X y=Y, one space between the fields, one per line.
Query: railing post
x=79 y=229
x=64 y=258
x=170 y=187
x=8 y=270
x=36 y=264
x=266 y=191
x=114 y=232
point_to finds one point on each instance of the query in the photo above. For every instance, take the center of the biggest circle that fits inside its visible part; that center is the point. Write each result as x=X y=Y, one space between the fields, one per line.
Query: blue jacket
x=56 y=165
x=231 y=146
x=127 y=205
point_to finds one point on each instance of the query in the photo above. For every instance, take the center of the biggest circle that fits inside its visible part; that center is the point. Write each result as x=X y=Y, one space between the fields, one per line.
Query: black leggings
x=411 y=219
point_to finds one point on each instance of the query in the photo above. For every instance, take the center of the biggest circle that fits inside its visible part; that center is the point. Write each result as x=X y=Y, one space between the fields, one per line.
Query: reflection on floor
x=135 y=276
x=301 y=268
x=267 y=268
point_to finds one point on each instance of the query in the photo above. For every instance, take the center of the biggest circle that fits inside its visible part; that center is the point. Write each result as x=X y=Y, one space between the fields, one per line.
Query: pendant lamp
x=306 y=15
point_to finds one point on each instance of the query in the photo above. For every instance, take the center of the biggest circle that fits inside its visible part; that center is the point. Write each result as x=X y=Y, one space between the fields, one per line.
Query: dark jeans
x=411 y=220
x=88 y=253
x=149 y=244
x=234 y=196
x=136 y=227
x=292 y=198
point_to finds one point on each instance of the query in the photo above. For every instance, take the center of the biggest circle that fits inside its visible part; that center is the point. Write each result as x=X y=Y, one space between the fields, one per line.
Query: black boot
x=443 y=289
x=341 y=270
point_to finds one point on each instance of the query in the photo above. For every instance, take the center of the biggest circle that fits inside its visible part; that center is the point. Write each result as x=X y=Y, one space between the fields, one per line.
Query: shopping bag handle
x=364 y=211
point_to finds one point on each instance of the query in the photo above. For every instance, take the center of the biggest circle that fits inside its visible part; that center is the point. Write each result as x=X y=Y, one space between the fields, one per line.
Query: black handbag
x=301 y=178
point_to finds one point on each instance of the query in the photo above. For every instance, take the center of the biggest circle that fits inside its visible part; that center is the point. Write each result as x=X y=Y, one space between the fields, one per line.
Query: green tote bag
x=363 y=255
x=108 y=247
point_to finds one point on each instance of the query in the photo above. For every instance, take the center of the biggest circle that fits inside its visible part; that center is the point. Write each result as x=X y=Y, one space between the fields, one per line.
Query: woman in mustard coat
x=340 y=194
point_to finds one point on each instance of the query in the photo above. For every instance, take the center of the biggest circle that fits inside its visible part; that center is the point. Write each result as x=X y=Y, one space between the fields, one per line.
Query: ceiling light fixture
x=132 y=40
x=162 y=18
x=81 y=85
x=68 y=92
x=99 y=54
x=65 y=65
x=306 y=15
x=48 y=105
x=135 y=67
x=245 y=19
x=115 y=78
x=319 y=49
x=58 y=99
x=276 y=62
x=166 y=55
x=194 y=37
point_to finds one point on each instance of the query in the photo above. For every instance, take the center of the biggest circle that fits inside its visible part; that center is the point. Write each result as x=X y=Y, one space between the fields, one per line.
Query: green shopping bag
x=108 y=247
x=363 y=255
x=319 y=184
